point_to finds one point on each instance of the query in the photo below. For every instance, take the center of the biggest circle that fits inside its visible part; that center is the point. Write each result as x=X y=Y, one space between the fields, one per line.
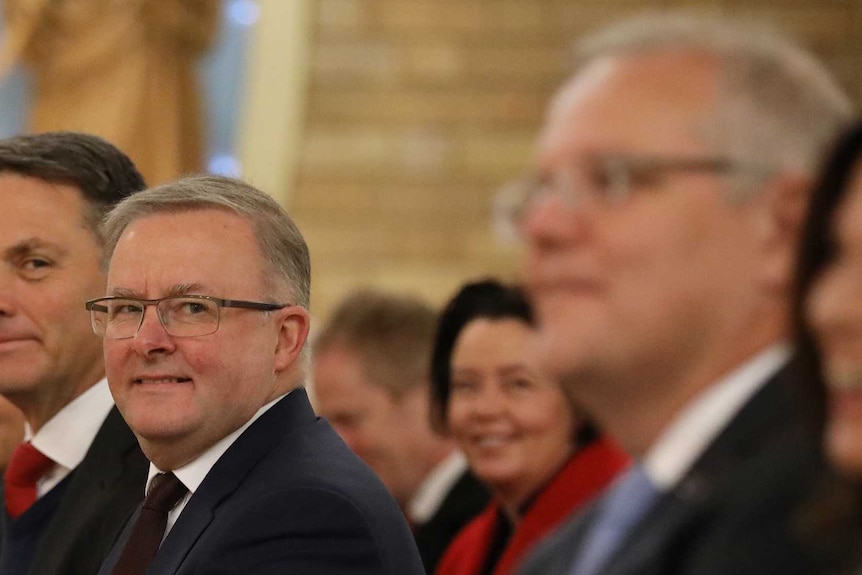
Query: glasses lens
x=511 y=204
x=187 y=316
x=116 y=318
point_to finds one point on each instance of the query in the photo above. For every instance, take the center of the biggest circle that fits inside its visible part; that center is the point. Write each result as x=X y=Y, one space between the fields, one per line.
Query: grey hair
x=281 y=243
x=778 y=106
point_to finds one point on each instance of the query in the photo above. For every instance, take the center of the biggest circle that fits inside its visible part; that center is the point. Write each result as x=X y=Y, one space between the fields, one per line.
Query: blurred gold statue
x=120 y=69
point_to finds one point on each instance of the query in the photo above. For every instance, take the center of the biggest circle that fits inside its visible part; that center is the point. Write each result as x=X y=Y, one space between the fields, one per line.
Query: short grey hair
x=778 y=106
x=281 y=243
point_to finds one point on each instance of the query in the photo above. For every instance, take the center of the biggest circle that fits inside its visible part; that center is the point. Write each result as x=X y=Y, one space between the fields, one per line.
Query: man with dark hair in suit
x=69 y=488
x=674 y=170
x=371 y=381
x=204 y=334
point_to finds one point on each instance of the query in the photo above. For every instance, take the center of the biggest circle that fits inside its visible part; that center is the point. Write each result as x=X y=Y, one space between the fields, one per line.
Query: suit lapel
x=661 y=530
x=767 y=418
x=228 y=473
x=568 y=539
x=113 y=455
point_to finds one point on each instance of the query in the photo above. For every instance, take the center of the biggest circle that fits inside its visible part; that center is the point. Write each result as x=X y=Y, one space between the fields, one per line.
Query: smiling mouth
x=491 y=441
x=161 y=380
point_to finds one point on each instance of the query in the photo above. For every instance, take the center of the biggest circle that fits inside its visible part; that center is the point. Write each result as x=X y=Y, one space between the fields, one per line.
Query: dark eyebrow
x=174 y=290
x=30 y=245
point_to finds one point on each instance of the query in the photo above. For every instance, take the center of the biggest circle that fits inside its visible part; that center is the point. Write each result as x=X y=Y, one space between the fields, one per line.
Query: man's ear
x=780 y=216
x=293 y=325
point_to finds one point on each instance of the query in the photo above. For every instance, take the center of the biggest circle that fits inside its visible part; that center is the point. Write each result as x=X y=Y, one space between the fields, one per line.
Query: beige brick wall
x=419 y=109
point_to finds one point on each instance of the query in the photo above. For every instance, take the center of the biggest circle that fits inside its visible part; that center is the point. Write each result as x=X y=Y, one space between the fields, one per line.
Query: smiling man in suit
x=673 y=175
x=69 y=488
x=204 y=332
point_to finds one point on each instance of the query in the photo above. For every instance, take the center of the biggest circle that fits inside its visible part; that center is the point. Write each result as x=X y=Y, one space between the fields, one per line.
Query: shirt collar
x=67 y=436
x=435 y=487
x=703 y=419
x=193 y=473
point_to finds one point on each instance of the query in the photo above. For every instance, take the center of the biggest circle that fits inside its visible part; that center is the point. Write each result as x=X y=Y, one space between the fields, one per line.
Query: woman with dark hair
x=827 y=313
x=828 y=308
x=523 y=438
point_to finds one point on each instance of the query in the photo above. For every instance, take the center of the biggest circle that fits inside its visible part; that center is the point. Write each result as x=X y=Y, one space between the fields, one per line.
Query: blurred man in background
x=371 y=381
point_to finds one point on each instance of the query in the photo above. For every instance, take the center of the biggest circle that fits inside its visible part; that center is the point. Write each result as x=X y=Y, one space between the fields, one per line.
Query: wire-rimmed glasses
x=181 y=316
x=605 y=179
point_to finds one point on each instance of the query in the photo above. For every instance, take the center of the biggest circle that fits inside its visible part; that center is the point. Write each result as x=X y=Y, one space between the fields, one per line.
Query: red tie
x=27 y=465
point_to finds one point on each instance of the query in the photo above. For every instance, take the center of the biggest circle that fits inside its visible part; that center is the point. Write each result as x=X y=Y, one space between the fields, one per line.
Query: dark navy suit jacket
x=287 y=497
x=737 y=510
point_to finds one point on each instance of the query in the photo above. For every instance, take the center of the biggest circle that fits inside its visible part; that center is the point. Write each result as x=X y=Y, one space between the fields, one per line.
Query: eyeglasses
x=181 y=316
x=605 y=179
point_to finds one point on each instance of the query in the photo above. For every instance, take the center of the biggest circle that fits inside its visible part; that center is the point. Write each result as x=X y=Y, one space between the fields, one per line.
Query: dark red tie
x=165 y=492
x=26 y=467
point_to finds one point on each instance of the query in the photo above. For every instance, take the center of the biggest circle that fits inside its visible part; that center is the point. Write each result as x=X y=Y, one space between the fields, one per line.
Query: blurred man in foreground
x=674 y=170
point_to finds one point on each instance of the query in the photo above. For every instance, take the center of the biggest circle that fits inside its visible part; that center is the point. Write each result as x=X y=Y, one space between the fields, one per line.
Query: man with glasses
x=69 y=488
x=673 y=172
x=204 y=330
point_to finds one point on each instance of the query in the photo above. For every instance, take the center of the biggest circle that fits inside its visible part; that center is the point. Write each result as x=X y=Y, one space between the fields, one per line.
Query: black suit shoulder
x=103 y=491
x=734 y=512
x=467 y=498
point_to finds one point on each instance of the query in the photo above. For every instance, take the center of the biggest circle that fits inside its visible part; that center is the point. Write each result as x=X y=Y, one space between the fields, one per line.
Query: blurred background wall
x=417 y=111
x=386 y=126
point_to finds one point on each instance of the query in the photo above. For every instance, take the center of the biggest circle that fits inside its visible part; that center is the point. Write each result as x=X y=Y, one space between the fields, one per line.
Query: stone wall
x=418 y=110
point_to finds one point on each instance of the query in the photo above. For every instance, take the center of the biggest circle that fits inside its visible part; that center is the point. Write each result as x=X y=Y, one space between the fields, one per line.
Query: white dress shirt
x=435 y=487
x=705 y=417
x=67 y=436
x=192 y=474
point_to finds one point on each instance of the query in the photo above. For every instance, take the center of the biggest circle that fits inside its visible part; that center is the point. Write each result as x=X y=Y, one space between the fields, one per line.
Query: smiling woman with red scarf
x=523 y=438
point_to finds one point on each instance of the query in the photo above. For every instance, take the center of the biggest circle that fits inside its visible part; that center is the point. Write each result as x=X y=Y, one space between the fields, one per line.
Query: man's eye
x=194 y=308
x=35 y=263
x=36 y=268
x=126 y=309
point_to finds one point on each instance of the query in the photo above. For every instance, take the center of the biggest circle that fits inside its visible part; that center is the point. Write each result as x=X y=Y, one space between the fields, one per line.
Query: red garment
x=585 y=475
x=26 y=467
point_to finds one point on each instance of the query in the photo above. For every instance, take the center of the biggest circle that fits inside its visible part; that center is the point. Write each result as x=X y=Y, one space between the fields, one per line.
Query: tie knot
x=27 y=465
x=164 y=493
